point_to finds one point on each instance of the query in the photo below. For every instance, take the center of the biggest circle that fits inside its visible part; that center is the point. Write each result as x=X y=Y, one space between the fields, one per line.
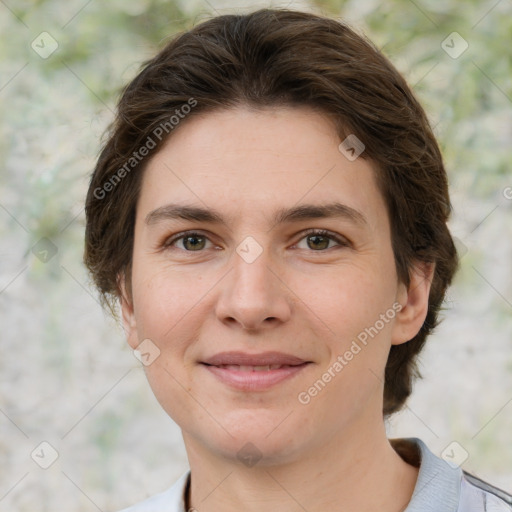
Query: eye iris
x=319 y=237
x=194 y=246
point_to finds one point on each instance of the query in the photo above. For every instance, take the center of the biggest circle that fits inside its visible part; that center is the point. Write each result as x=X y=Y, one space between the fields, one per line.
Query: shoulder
x=171 y=500
x=476 y=492
x=443 y=486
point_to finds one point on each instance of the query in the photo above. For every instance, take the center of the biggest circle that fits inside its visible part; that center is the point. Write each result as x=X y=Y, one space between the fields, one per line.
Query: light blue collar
x=438 y=486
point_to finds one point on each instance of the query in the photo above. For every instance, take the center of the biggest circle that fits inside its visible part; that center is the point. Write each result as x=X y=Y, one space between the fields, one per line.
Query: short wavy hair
x=274 y=58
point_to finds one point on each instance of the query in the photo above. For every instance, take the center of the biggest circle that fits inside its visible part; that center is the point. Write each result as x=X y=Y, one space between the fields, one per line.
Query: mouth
x=249 y=368
x=254 y=372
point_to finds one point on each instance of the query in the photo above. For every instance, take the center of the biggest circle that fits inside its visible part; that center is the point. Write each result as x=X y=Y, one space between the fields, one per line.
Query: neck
x=352 y=473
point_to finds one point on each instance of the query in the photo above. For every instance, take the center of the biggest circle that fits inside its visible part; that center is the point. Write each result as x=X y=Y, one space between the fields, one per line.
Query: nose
x=254 y=295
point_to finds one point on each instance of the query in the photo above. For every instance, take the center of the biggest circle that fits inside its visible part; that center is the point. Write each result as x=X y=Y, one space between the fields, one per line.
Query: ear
x=414 y=302
x=129 y=322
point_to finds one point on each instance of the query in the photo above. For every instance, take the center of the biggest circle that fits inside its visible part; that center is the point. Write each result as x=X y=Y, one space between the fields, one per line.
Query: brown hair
x=272 y=58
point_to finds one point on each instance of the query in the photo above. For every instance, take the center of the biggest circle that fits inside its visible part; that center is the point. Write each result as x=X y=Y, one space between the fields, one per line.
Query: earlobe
x=414 y=302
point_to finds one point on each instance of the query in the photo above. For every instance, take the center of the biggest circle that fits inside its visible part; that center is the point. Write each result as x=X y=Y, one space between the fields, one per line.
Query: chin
x=263 y=452
x=267 y=440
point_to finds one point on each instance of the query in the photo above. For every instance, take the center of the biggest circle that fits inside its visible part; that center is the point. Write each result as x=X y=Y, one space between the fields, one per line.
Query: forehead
x=243 y=162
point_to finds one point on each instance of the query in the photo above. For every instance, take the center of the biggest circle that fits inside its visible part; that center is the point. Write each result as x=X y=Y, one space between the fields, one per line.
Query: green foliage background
x=66 y=375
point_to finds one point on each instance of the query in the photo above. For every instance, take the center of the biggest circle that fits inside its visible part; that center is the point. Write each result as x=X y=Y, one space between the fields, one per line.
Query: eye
x=319 y=240
x=191 y=241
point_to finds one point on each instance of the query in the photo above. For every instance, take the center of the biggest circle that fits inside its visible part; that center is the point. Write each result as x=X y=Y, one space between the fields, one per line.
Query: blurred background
x=68 y=379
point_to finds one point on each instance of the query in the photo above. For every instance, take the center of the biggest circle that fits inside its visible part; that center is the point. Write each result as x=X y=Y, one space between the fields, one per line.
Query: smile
x=254 y=378
x=247 y=368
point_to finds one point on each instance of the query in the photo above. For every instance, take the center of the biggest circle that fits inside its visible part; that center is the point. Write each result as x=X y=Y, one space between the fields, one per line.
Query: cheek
x=357 y=306
x=173 y=392
x=349 y=298
x=167 y=312
x=164 y=299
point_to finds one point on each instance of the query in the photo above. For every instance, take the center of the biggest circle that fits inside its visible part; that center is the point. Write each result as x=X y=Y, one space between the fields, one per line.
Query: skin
x=300 y=296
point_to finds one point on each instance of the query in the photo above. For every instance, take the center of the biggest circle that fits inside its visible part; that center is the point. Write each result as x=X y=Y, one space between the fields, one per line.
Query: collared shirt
x=440 y=487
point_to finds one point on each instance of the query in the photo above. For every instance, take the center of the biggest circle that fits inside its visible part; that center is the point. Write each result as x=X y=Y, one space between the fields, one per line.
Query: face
x=263 y=276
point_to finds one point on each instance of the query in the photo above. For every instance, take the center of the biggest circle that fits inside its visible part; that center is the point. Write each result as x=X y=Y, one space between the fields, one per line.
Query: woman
x=270 y=211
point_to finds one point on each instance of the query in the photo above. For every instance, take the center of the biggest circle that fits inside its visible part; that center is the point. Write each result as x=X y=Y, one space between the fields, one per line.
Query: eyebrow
x=283 y=215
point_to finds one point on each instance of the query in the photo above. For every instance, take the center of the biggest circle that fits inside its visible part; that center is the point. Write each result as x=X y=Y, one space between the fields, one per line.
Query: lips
x=250 y=368
x=254 y=372
x=263 y=359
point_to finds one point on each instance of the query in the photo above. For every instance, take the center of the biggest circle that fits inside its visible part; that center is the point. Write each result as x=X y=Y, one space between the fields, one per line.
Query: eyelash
x=342 y=241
